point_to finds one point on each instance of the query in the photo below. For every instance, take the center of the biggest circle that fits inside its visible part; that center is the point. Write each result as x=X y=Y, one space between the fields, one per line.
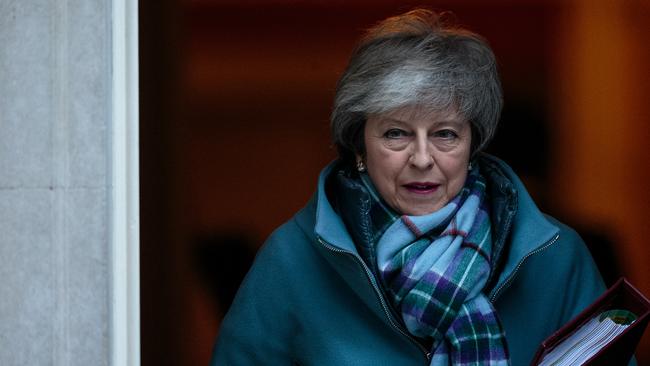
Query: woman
x=417 y=248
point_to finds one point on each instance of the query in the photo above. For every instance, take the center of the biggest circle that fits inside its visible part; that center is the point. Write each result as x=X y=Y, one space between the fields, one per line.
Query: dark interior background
x=235 y=101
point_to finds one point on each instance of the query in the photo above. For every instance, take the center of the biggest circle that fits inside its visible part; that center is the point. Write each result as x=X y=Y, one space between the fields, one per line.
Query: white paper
x=585 y=342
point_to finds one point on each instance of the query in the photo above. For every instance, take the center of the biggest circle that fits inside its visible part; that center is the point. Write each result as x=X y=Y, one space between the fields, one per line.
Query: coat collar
x=329 y=226
x=518 y=221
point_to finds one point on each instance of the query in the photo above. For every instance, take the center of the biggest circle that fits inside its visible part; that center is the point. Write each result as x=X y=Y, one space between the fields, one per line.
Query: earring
x=470 y=166
x=361 y=167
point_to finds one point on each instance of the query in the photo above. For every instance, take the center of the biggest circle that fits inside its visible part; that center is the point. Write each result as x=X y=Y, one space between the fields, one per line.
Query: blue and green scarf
x=433 y=269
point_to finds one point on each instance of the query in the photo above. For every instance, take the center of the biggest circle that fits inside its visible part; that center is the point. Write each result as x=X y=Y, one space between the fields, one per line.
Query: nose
x=421 y=157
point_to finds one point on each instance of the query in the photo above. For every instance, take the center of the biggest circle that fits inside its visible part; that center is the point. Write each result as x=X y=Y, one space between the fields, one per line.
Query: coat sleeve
x=256 y=330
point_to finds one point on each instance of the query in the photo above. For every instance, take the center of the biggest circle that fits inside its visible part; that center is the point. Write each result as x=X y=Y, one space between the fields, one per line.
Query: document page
x=587 y=340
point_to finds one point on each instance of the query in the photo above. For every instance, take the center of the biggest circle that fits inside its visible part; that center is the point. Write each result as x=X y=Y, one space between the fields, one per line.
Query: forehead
x=415 y=113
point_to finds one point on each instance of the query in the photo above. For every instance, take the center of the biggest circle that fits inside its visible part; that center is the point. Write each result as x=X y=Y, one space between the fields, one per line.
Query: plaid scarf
x=433 y=268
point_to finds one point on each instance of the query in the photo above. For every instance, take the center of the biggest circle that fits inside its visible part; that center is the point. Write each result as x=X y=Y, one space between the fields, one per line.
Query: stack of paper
x=587 y=340
x=600 y=335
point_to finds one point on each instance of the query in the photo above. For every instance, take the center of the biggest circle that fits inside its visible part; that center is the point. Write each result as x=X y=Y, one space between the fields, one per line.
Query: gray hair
x=416 y=59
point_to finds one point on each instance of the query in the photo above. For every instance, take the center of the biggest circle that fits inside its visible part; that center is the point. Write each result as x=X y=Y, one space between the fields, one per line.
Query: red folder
x=622 y=295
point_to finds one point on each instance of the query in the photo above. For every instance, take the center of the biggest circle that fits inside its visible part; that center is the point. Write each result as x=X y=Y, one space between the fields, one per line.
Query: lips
x=421 y=187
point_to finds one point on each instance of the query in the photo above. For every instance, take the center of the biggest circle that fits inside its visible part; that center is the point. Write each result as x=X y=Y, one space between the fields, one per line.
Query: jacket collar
x=519 y=221
x=319 y=221
x=329 y=226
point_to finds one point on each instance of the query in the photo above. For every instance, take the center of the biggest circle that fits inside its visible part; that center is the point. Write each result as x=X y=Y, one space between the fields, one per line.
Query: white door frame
x=124 y=183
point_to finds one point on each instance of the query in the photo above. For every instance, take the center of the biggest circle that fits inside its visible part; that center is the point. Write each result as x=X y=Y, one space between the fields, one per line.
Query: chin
x=421 y=211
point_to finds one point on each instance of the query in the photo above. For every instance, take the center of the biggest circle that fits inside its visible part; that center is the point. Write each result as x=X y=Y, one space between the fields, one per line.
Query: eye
x=395 y=133
x=446 y=134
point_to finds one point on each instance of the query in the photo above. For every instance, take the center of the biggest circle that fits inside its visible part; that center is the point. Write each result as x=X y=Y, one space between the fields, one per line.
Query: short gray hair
x=417 y=59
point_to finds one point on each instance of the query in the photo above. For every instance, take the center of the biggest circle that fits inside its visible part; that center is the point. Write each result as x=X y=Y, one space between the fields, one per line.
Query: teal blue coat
x=309 y=298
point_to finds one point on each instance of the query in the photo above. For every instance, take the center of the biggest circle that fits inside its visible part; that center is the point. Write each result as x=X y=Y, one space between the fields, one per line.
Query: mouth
x=421 y=187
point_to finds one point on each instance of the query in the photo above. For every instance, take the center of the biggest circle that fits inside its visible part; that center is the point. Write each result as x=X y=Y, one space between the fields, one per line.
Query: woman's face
x=417 y=159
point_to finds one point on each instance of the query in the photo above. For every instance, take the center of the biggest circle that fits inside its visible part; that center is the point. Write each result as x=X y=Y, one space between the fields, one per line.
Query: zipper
x=382 y=301
x=509 y=280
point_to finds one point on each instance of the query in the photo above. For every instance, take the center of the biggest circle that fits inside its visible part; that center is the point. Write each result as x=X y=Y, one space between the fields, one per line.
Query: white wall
x=56 y=182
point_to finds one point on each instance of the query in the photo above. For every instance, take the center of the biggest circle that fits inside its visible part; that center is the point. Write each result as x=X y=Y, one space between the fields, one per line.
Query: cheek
x=456 y=173
x=457 y=182
x=384 y=168
x=378 y=157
